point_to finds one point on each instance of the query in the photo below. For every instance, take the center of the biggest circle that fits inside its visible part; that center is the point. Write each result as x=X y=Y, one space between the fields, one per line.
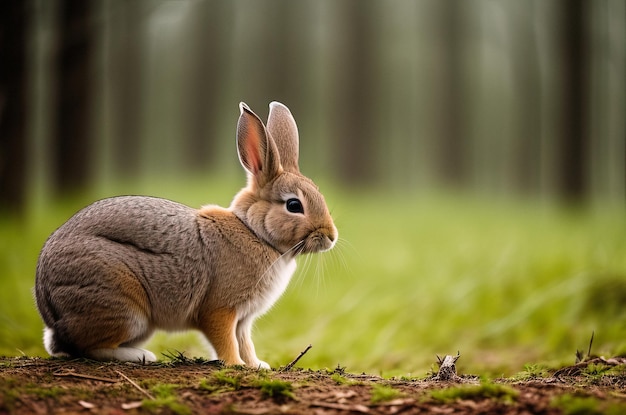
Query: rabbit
x=124 y=266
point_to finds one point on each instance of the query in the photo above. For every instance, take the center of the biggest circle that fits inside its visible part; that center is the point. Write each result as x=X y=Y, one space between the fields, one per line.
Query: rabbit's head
x=279 y=204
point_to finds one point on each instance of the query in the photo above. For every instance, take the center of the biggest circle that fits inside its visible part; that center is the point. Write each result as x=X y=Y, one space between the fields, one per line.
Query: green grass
x=384 y=393
x=225 y=378
x=504 y=282
x=483 y=391
x=165 y=396
x=531 y=371
x=586 y=405
x=275 y=389
x=236 y=378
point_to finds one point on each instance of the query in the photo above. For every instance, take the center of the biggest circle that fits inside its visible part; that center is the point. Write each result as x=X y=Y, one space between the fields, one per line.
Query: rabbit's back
x=153 y=243
x=148 y=223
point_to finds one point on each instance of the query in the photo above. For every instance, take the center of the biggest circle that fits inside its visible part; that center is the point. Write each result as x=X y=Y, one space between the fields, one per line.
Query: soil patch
x=186 y=386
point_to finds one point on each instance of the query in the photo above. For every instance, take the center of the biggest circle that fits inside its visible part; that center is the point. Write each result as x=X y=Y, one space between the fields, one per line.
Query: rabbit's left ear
x=283 y=129
x=257 y=151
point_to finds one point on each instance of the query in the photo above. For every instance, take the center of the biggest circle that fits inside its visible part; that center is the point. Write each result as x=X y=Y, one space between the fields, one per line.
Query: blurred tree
x=607 y=128
x=72 y=134
x=451 y=148
x=287 y=71
x=527 y=89
x=209 y=27
x=269 y=52
x=484 y=95
x=126 y=65
x=573 y=141
x=14 y=26
x=354 y=96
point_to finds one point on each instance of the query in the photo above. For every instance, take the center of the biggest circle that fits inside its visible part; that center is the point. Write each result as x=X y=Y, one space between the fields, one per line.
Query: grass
x=505 y=282
x=233 y=379
x=165 y=397
x=586 y=405
x=384 y=393
x=483 y=391
x=225 y=378
x=275 y=389
x=596 y=370
x=531 y=371
x=342 y=380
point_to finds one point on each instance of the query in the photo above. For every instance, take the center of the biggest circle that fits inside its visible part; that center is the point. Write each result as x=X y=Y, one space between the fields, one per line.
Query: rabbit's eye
x=294 y=206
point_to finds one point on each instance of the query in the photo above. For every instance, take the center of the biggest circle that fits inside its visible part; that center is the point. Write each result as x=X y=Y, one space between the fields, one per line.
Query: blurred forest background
x=452 y=139
x=521 y=97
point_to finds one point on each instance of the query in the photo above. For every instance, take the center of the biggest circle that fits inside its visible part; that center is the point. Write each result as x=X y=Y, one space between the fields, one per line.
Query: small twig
x=590 y=343
x=576 y=369
x=71 y=374
x=341 y=407
x=294 y=361
x=139 y=388
x=579 y=354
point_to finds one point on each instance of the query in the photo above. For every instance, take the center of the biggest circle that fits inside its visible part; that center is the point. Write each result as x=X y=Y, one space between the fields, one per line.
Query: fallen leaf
x=399 y=402
x=255 y=411
x=345 y=395
x=86 y=405
x=132 y=405
x=355 y=408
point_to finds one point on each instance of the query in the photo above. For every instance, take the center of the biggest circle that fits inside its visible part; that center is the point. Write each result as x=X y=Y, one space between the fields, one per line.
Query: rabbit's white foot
x=258 y=364
x=125 y=354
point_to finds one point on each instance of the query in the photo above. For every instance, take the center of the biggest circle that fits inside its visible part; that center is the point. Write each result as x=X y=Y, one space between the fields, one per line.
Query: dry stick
x=71 y=374
x=139 y=388
x=302 y=353
x=575 y=369
x=590 y=343
x=340 y=407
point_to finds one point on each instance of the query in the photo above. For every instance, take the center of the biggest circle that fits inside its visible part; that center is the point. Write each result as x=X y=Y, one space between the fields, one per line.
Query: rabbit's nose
x=332 y=235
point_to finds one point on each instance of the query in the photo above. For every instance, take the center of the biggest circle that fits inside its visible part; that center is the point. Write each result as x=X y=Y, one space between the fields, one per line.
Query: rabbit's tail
x=54 y=347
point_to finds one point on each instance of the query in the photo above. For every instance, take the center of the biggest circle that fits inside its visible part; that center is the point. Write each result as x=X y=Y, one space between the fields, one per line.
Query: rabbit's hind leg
x=122 y=344
x=124 y=335
x=104 y=318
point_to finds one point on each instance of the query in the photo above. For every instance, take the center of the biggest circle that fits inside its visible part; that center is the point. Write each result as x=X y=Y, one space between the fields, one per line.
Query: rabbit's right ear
x=257 y=151
x=284 y=131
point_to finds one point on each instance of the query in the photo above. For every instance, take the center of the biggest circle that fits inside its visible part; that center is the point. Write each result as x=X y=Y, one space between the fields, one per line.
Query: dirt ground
x=190 y=386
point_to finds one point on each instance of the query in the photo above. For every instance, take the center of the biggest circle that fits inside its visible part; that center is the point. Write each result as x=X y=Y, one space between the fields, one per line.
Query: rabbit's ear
x=284 y=131
x=257 y=151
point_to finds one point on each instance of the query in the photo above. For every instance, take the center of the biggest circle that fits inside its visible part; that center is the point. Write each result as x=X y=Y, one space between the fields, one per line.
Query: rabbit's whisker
x=289 y=254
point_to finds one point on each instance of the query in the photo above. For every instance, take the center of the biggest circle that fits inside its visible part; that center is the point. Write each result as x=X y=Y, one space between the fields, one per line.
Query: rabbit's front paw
x=259 y=364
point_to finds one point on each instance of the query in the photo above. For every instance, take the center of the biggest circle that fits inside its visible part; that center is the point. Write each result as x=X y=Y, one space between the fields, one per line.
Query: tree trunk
x=126 y=70
x=354 y=114
x=72 y=135
x=526 y=157
x=206 y=86
x=13 y=104
x=451 y=150
x=572 y=146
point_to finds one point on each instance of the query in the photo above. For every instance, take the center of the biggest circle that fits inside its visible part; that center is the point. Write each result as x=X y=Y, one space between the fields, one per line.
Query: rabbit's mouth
x=320 y=240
